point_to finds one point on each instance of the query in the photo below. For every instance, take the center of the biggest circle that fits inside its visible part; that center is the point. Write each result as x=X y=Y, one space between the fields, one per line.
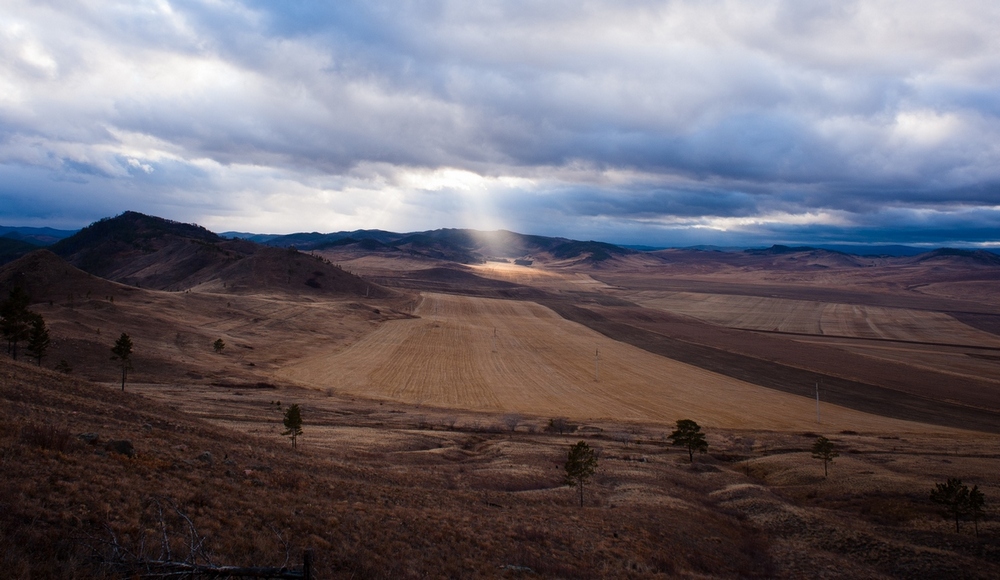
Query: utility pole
x=494 y=339
x=597 y=365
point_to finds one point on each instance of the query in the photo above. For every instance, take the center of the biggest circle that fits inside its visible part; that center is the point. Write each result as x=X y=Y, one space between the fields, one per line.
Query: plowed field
x=508 y=356
x=820 y=318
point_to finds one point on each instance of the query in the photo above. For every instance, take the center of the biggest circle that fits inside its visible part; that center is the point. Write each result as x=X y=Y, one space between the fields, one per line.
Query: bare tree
x=560 y=425
x=512 y=420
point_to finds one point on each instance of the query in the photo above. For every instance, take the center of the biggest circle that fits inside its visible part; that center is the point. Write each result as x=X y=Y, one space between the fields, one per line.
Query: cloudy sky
x=664 y=123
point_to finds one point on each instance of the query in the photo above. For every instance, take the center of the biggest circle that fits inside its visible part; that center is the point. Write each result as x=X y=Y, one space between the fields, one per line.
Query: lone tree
x=823 y=449
x=954 y=496
x=218 y=345
x=688 y=434
x=15 y=319
x=560 y=425
x=293 y=423
x=38 y=339
x=122 y=351
x=580 y=466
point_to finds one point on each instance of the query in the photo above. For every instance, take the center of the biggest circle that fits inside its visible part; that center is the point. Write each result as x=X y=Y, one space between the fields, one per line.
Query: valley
x=430 y=389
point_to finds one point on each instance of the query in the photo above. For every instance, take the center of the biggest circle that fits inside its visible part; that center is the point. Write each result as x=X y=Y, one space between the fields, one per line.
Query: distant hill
x=12 y=249
x=591 y=251
x=953 y=255
x=35 y=236
x=894 y=250
x=18 y=241
x=155 y=253
x=463 y=246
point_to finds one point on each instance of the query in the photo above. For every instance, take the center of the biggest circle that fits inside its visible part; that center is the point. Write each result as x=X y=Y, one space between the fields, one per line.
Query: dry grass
x=499 y=355
x=412 y=463
x=379 y=497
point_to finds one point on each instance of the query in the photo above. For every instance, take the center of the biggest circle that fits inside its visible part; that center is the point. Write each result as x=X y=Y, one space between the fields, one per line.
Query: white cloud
x=360 y=115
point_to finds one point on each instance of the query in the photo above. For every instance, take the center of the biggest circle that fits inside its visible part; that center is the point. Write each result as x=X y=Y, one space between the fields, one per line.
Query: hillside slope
x=154 y=253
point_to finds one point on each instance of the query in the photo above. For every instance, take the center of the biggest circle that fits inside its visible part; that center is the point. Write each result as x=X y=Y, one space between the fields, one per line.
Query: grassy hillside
x=67 y=505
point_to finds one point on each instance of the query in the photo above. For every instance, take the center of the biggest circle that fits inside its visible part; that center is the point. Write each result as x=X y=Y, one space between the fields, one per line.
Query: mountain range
x=137 y=249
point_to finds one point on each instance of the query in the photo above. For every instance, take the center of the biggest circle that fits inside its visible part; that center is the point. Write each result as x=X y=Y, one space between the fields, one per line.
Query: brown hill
x=151 y=252
x=47 y=277
x=285 y=270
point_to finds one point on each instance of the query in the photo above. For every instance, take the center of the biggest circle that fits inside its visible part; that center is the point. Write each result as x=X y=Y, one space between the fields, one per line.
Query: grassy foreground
x=424 y=500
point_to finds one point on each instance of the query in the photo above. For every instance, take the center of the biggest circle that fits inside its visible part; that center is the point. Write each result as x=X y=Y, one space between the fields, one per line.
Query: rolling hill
x=150 y=252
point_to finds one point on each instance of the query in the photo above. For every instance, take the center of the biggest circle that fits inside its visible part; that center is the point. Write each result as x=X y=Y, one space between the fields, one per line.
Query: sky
x=727 y=122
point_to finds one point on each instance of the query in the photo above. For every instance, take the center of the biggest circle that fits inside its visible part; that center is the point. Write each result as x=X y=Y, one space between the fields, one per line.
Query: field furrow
x=821 y=318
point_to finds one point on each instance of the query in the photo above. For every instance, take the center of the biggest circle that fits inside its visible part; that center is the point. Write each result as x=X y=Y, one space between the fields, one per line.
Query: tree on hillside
x=823 y=449
x=122 y=351
x=977 y=501
x=38 y=338
x=688 y=434
x=954 y=496
x=218 y=345
x=15 y=319
x=581 y=464
x=293 y=423
x=560 y=425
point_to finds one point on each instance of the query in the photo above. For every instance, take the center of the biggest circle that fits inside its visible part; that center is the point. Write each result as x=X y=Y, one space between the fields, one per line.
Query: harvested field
x=545 y=365
x=822 y=318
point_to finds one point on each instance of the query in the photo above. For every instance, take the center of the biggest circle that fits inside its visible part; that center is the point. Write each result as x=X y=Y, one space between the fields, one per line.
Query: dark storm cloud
x=658 y=119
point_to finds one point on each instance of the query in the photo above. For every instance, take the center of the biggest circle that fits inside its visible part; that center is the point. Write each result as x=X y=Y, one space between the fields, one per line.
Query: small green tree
x=38 y=339
x=823 y=449
x=688 y=434
x=954 y=496
x=581 y=464
x=977 y=501
x=293 y=423
x=15 y=319
x=122 y=351
x=218 y=345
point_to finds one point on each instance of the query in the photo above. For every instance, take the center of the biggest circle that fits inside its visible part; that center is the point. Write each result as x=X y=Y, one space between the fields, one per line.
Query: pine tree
x=15 y=319
x=688 y=434
x=293 y=423
x=218 y=345
x=823 y=449
x=581 y=464
x=954 y=496
x=977 y=501
x=122 y=351
x=38 y=339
